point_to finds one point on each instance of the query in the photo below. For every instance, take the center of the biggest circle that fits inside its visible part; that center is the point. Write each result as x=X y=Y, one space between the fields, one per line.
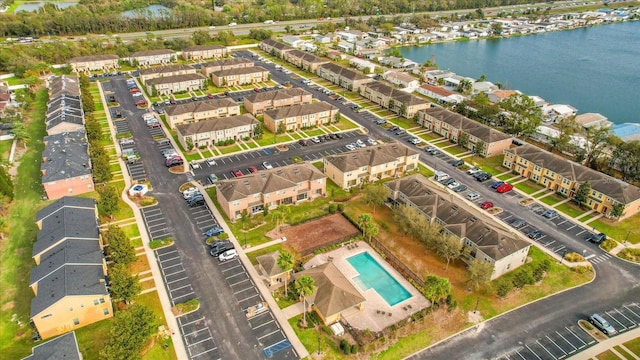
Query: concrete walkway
x=293 y=310
x=267 y=244
x=605 y=345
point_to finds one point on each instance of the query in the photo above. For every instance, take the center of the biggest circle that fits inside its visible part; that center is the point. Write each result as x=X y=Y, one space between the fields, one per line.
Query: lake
x=35 y=5
x=595 y=69
x=155 y=10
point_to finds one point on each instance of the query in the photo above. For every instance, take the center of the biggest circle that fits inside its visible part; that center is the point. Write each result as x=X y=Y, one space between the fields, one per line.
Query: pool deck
x=376 y=314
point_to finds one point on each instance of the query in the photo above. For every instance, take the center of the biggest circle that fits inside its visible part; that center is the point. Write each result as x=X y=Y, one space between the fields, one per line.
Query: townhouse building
x=164 y=71
x=275 y=48
x=225 y=64
x=370 y=164
x=240 y=76
x=300 y=116
x=565 y=177
x=66 y=166
x=470 y=134
x=396 y=100
x=152 y=57
x=192 y=112
x=209 y=132
x=401 y=79
x=346 y=78
x=487 y=241
x=260 y=102
x=63 y=347
x=64 y=85
x=168 y=85
x=287 y=185
x=64 y=114
x=304 y=60
x=201 y=52
x=440 y=94
x=94 y=63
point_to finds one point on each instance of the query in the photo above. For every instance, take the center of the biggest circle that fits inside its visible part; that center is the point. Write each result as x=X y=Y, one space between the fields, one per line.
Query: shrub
x=343 y=345
x=503 y=288
x=630 y=254
x=354 y=348
x=581 y=269
x=223 y=236
x=158 y=243
x=537 y=274
x=340 y=208
x=608 y=244
x=332 y=208
x=573 y=257
x=522 y=278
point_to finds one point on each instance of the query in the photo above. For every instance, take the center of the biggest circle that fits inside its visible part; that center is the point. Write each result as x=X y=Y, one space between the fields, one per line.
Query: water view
x=154 y=10
x=594 y=69
x=35 y=5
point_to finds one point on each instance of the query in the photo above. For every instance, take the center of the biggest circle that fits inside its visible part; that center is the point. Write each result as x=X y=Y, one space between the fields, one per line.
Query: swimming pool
x=374 y=276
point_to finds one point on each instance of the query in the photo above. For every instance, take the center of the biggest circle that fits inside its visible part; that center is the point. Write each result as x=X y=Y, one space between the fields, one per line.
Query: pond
x=35 y=5
x=154 y=10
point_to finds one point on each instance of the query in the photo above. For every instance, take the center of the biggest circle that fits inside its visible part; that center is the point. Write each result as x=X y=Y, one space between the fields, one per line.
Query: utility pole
x=477 y=302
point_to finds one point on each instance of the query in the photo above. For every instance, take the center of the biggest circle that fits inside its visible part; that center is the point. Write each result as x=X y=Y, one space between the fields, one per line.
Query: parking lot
x=567 y=341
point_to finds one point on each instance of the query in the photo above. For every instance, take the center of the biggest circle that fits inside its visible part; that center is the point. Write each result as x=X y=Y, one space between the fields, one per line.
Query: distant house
x=346 y=78
x=440 y=94
x=275 y=48
x=94 y=63
x=396 y=100
x=176 y=83
x=240 y=76
x=66 y=166
x=304 y=60
x=152 y=57
x=363 y=65
x=258 y=103
x=483 y=86
x=62 y=347
x=267 y=189
x=209 y=132
x=225 y=64
x=468 y=133
x=487 y=241
x=559 y=111
x=69 y=281
x=401 y=79
x=272 y=273
x=192 y=112
x=323 y=39
x=293 y=41
x=370 y=164
x=352 y=35
x=499 y=95
x=201 y=52
x=397 y=63
x=164 y=71
x=592 y=120
x=296 y=117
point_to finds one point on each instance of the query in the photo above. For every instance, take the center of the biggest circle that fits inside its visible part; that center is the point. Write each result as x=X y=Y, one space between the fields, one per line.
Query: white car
x=228 y=255
x=189 y=192
x=473 y=196
x=415 y=141
x=267 y=165
x=453 y=185
x=137 y=94
x=195 y=165
x=350 y=147
x=126 y=141
x=360 y=143
x=315 y=140
x=211 y=161
x=372 y=142
x=473 y=170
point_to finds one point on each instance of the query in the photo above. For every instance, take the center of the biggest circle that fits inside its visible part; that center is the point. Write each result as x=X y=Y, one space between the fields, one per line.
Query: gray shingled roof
x=257 y=97
x=278 y=45
x=240 y=71
x=216 y=124
x=268 y=181
x=69 y=252
x=344 y=72
x=166 y=69
x=64 y=347
x=80 y=59
x=68 y=202
x=227 y=62
x=472 y=127
x=65 y=117
x=67 y=223
x=396 y=94
x=300 y=110
x=305 y=56
x=68 y=280
x=616 y=189
x=69 y=85
x=175 y=78
x=199 y=106
x=70 y=104
x=490 y=239
x=269 y=263
x=152 y=53
x=66 y=156
x=369 y=156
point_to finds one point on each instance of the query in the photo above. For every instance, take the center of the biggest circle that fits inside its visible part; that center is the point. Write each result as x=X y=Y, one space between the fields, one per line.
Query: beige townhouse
x=259 y=102
x=240 y=76
x=152 y=57
x=209 y=132
x=470 y=134
x=164 y=71
x=304 y=60
x=274 y=48
x=192 y=112
x=396 y=100
x=347 y=78
x=286 y=185
x=485 y=240
x=370 y=164
x=94 y=63
x=176 y=83
x=225 y=64
x=607 y=195
x=201 y=52
x=401 y=79
x=296 y=117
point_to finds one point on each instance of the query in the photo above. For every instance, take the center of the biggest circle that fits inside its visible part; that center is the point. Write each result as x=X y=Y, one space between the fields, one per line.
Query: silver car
x=473 y=196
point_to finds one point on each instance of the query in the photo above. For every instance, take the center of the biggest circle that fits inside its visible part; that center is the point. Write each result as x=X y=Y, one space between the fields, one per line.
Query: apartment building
x=470 y=134
x=300 y=116
x=304 y=60
x=64 y=114
x=225 y=64
x=240 y=76
x=201 y=52
x=192 y=112
x=269 y=188
x=164 y=71
x=209 y=132
x=275 y=48
x=152 y=57
x=370 y=164
x=347 y=78
x=260 y=102
x=63 y=347
x=440 y=94
x=396 y=100
x=565 y=177
x=488 y=242
x=66 y=166
x=64 y=85
x=94 y=63
x=401 y=79
x=176 y=83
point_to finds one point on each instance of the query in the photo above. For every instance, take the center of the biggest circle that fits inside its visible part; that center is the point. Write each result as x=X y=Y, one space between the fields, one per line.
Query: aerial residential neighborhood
x=205 y=181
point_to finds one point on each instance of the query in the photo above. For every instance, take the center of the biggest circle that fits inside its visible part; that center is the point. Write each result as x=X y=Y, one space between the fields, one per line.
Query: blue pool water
x=372 y=275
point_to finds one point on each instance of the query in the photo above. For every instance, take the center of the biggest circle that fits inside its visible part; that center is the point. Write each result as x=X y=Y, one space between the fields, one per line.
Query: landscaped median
x=160 y=243
x=186 y=307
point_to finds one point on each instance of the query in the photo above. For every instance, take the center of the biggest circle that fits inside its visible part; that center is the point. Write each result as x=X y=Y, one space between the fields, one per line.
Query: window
x=46 y=316
x=76 y=321
x=95 y=302
x=105 y=311
x=70 y=308
x=101 y=300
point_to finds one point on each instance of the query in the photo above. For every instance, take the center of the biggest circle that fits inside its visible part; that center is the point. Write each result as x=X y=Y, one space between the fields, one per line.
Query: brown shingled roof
x=199 y=106
x=300 y=110
x=216 y=124
x=276 y=95
x=369 y=156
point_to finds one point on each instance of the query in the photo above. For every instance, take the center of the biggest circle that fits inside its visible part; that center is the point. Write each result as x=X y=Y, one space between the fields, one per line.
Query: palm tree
x=284 y=211
x=285 y=262
x=363 y=221
x=305 y=286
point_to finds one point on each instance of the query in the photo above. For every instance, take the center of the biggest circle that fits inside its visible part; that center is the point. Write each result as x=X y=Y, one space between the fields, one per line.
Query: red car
x=256 y=90
x=134 y=90
x=141 y=102
x=172 y=102
x=210 y=96
x=504 y=188
x=486 y=205
x=252 y=169
x=236 y=173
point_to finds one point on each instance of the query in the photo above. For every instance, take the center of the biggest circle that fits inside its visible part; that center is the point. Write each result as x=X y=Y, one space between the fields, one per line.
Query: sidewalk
x=607 y=344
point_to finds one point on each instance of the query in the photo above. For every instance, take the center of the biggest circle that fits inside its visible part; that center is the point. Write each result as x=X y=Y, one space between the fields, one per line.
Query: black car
x=339 y=135
x=517 y=223
x=597 y=238
x=333 y=136
x=448 y=181
x=457 y=163
x=219 y=249
x=303 y=142
x=535 y=235
x=196 y=202
x=483 y=177
x=460 y=188
x=393 y=128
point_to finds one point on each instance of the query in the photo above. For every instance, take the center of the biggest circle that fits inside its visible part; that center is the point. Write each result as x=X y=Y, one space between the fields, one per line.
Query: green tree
x=20 y=132
x=478 y=149
x=524 y=115
x=285 y=262
x=226 y=37
x=482 y=78
x=363 y=222
x=436 y=288
x=582 y=195
x=189 y=142
x=464 y=86
x=463 y=139
x=258 y=131
x=100 y=166
x=567 y=127
x=449 y=248
x=129 y=333
x=200 y=37
x=260 y=34
x=6 y=185
x=124 y=286
x=597 y=138
x=479 y=273
x=305 y=287
x=617 y=210
x=108 y=202
x=496 y=28
x=94 y=129
x=375 y=195
x=120 y=248
x=626 y=159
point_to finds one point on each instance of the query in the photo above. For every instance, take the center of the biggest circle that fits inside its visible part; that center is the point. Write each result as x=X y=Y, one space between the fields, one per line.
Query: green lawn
x=633 y=345
x=492 y=164
x=551 y=199
x=13 y=81
x=252 y=255
x=528 y=187
x=425 y=171
x=92 y=338
x=455 y=150
x=570 y=209
x=131 y=231
x=627 y=229
x=345 y=124
x=314 y=132
x=5 y=150
x=429 y=136
x=229 y=149
x=268 y=138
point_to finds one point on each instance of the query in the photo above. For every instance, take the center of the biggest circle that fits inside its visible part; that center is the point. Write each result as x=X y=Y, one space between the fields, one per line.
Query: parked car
x=127 y=141
x=381 y=121
x=339 y=135
x=486 y=205
x=228 y=255
x=174 y=161
x=448 y=181
x=218 y=247
x=211 y=161
x=457 y=163
x=504 y=188
x=517 y=223
x=212 y=178
x=393 y=128
x=236 y=173
x=162 y=141
x=315 y=140
x=371 y=142
x=267 y=165
x=303 y=142
x=214 y=231
x=210 y=96
x=190 y=192
x=252 y=169
x=415 y=141
x=602 y=324
x=460 y=188
x=360 y=143
x=597 y=238
x=196 y=201
x=483 y=177
x=535 y=235
x=473 y=196
x=550 y=214
x=453 y=185
x=473 y=170
x=350 y=147
x=195 y=164
x=496 y=184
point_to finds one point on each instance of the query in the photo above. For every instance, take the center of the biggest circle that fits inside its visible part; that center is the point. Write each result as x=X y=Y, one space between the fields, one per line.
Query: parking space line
x=250 y=297
x=273 y=332
x=191 y=322
x=568 y=342
x=234 y=275
x=173 y=273
x=531 y=351
x=204 y=352
x=554 y=343
x=197 y=331
x=161 y=236
x=571 y=227
x=581 y=232
x=544 y=348
x=173 y=258
x=577 y=337
x=559 y=248
x=170 y=266
x=522 y=357
x=171 y=282
x=633 y=324
x=616 y=320
x=201 y=341
x=562 y=222
x=263 y=324
x=181 y=296
x=231 y=268
x=181 y=287
x=633 y=312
